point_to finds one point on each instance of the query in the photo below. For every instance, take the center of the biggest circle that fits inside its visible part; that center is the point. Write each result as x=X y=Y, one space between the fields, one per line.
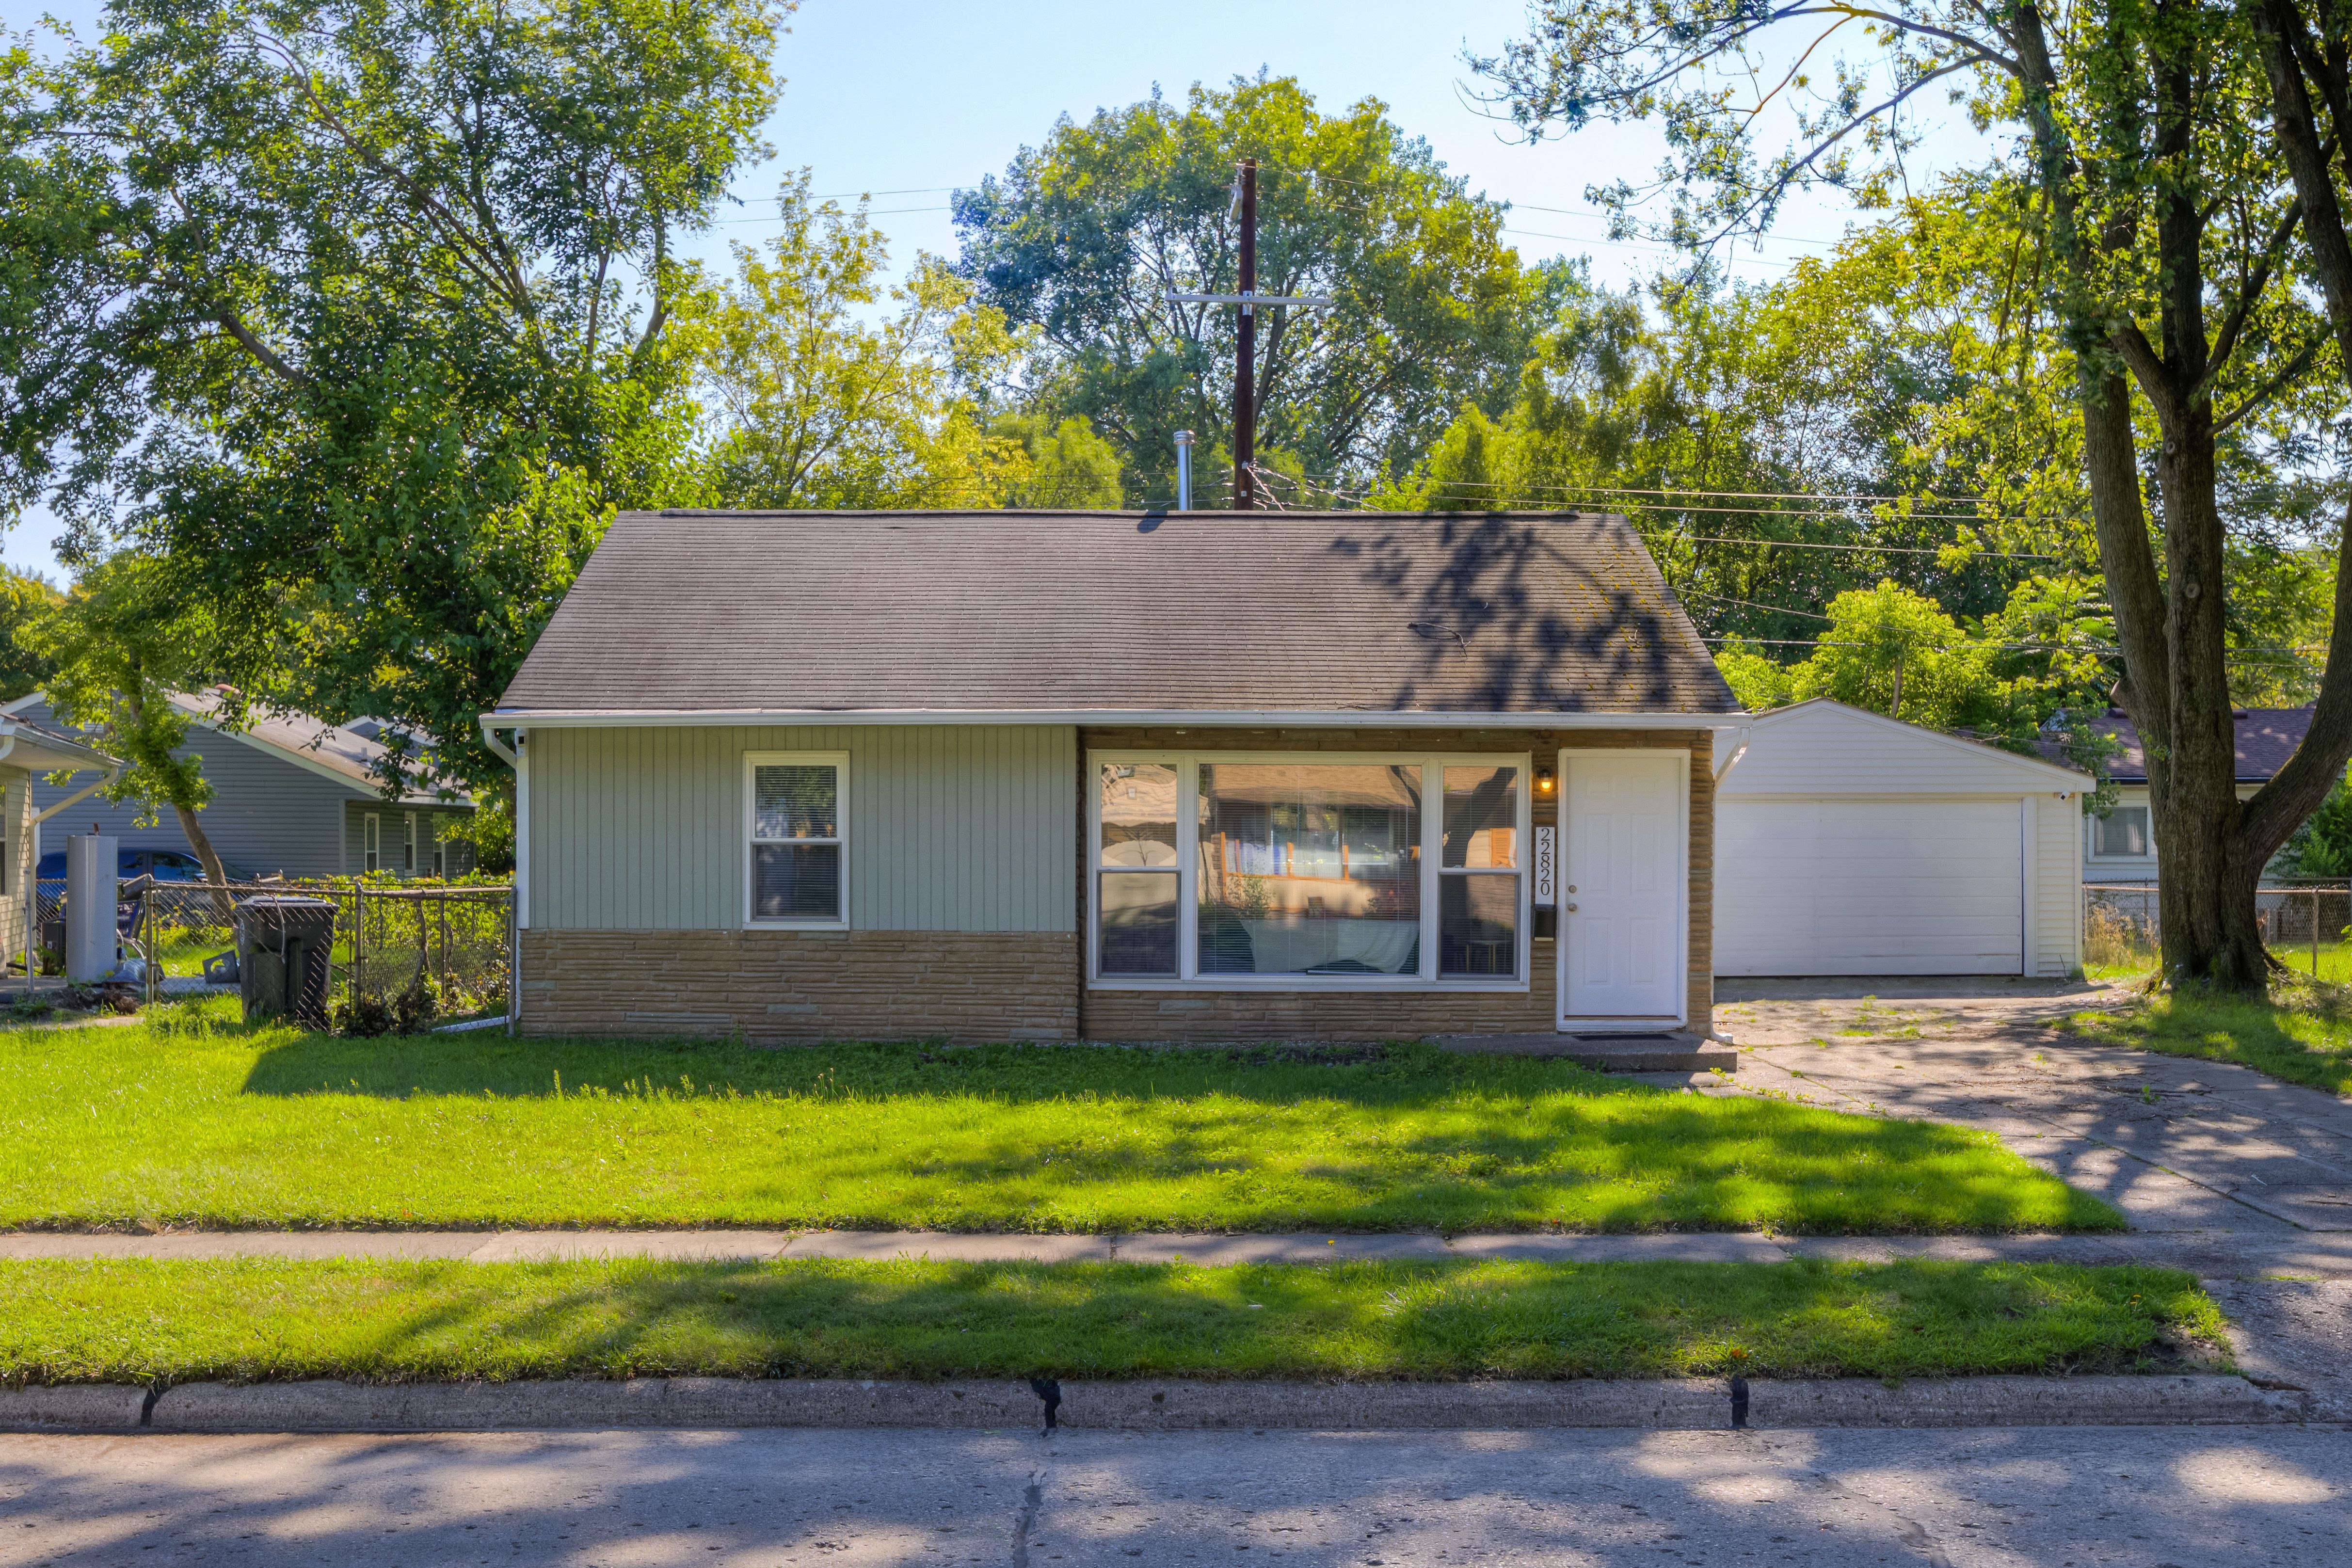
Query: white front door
x=1622 y=887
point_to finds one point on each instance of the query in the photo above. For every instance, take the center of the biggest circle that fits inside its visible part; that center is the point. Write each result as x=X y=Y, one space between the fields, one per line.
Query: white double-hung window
x=2122 y=832
x=1321 y=871
x=795 y=870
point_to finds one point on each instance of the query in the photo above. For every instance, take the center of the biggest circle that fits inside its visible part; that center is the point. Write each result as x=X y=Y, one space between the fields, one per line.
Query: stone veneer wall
x=781 y=986
x=1212 y=1014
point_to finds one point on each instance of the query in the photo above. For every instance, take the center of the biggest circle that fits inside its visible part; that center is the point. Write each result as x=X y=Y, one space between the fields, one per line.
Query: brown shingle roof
x=1012 y=611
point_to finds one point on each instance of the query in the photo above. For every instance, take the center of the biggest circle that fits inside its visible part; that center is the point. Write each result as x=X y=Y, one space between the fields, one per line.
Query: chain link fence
x=403 y=957
x=2303 y=925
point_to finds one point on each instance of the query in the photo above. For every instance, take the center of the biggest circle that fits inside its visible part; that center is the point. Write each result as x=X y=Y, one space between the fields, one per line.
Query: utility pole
x=1245 y=336
x=1245 y=350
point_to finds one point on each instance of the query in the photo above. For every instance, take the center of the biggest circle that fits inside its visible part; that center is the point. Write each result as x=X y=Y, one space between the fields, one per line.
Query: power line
x=1723 y=495
x=870 y=212
x=1506 y=503
x=2268 y=654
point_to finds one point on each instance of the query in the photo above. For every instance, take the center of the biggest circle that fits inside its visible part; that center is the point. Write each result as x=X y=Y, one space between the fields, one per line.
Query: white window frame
x=408 y=843
x=752 y=763
x=371 y=842
x=1187 y=764
x=2147 y=831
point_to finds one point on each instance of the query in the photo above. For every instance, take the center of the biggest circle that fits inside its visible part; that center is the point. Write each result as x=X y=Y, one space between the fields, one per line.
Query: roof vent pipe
x=1183 y=470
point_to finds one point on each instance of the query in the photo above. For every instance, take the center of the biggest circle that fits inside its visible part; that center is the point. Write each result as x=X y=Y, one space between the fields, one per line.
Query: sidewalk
x=2209 y=1253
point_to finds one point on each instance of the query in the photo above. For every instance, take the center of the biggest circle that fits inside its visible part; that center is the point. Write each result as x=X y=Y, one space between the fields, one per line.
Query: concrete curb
x=1676 y=1405
x=71 y=1408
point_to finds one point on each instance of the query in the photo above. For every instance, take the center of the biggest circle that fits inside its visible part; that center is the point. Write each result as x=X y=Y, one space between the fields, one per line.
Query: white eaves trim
x=1208 y=719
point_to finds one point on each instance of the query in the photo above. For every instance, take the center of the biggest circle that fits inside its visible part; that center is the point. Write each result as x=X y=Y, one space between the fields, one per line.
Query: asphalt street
x=2055 y=1498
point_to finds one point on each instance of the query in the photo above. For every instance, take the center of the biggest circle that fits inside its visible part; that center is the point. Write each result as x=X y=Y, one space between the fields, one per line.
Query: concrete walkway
x=2207 y=1252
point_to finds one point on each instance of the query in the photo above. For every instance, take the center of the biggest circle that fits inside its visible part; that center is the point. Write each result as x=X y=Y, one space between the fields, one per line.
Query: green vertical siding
x=951 y=828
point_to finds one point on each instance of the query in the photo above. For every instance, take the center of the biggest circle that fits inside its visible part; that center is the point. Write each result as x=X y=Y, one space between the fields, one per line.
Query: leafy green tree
x=360 y=312
x=815 y=404
x=119 y=648
x=2322 y=848
x=1860 y=390
x=26 y=600
x=2174 y=181
x=1084 y=237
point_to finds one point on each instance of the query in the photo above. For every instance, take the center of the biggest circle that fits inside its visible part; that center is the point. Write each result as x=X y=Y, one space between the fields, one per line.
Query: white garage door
x=1909 y=887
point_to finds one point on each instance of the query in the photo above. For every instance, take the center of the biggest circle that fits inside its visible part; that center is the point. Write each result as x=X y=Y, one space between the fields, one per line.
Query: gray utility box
x=284 y=947
x=92 y=888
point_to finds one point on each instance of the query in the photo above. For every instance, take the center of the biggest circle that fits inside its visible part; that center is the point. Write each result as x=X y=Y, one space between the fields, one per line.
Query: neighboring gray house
x=292 y=795
x=2121 y=846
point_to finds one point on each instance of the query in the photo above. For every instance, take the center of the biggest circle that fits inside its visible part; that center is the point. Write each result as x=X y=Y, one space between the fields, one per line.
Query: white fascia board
x=1217 y=719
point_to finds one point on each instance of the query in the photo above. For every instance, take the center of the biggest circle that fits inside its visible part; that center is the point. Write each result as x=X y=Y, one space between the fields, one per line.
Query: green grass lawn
x=213 y=1125
x=2335 y=959
x=150 y=1321
x=2335 y=963
x=2303 y=1032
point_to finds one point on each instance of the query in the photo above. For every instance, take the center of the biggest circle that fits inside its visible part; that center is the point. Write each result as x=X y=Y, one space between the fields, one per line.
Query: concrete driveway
x=2176 y=1144
x=2244 y=1180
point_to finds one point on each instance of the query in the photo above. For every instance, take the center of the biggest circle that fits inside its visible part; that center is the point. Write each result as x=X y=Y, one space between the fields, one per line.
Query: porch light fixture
x=1545 y=783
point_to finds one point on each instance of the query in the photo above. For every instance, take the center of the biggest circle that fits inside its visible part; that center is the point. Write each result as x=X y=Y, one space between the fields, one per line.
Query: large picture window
x=1224 y=868
x=797 y=837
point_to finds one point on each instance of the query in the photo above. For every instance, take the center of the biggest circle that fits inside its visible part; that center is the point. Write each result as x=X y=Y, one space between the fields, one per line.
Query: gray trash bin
x=284 y=947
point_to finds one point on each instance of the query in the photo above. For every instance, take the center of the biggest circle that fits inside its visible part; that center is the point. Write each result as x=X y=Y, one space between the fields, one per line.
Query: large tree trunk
x=2205 y=891
x=2177 y=681
x=202 y=846
x=2306 y=74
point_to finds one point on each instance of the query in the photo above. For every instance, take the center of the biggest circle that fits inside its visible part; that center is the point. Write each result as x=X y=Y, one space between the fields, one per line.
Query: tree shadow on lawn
x=1094 y=1138
x=921 y=1319
x=397 y=1067
x=1563 y=1164
x=2302 y=1034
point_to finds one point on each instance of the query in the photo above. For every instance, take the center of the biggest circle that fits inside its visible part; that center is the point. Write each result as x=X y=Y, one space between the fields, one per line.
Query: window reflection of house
x=1309 y=868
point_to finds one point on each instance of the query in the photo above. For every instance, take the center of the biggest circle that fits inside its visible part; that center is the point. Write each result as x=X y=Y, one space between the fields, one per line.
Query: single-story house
x=1059 y=775
x=291 y=794
x=1855 y=844
x=2121 y=846
x=28 y=753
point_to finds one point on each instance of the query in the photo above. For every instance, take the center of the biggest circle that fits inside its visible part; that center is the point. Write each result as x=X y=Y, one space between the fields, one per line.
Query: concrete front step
x=1676 y=1051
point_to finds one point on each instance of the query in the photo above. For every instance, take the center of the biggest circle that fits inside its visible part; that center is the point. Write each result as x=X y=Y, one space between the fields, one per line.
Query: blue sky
x=904 y=100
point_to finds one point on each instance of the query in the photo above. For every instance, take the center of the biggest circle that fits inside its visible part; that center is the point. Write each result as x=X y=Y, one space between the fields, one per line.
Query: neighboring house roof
x=2266 y=738
x=308 y=743
x=1823 y=746
x=1036 y=616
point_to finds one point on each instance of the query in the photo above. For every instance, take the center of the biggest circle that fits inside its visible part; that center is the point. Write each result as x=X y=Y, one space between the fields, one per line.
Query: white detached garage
x=1849 y=843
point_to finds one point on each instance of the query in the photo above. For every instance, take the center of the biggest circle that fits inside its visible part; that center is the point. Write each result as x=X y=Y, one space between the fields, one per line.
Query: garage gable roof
x=1831 y=748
